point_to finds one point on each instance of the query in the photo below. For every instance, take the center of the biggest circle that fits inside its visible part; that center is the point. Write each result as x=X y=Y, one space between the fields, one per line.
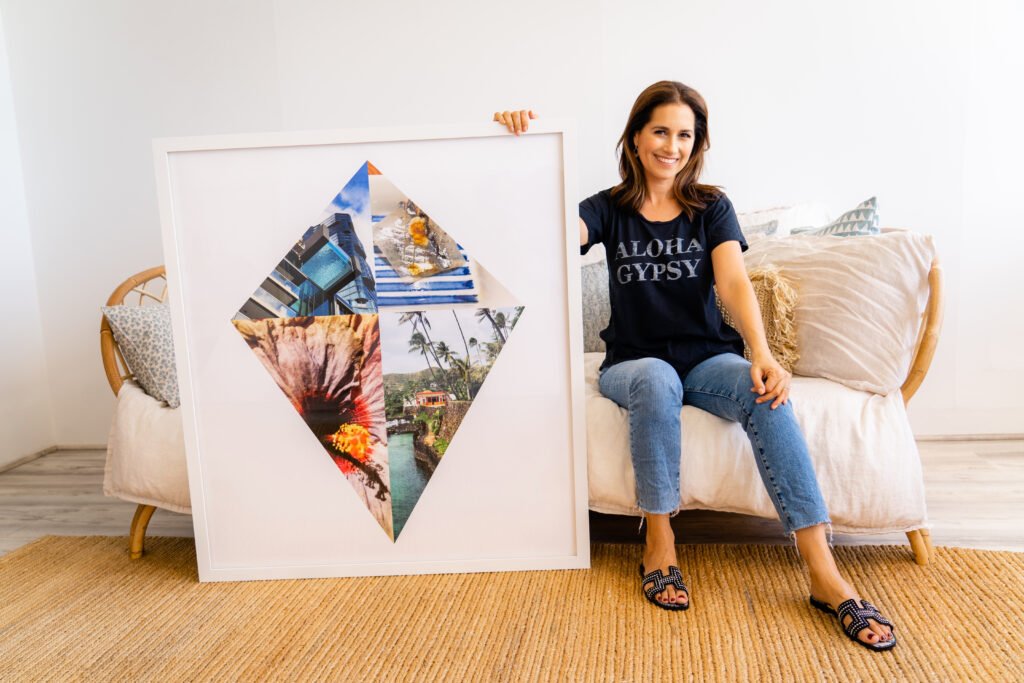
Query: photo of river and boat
x=435 y=363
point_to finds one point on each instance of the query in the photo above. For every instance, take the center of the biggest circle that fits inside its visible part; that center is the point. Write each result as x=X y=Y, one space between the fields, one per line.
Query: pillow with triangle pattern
x=862 y=220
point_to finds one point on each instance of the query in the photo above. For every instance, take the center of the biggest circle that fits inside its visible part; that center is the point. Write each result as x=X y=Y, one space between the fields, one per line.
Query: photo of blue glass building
x=325 y=273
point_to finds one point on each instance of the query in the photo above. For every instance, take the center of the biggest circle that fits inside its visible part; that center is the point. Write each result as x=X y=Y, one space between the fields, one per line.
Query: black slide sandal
x=660 y=581
x=858 y=621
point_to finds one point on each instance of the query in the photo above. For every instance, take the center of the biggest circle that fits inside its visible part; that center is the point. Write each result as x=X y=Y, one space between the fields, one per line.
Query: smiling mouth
x=667 y=161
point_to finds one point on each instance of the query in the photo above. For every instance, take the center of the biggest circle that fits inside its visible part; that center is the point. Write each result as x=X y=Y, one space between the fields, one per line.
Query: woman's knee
x=738 y=379
x=653 y=377
x=727 y=374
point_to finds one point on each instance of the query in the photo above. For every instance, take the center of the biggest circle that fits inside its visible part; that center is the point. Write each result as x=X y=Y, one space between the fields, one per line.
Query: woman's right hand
x=516 y=121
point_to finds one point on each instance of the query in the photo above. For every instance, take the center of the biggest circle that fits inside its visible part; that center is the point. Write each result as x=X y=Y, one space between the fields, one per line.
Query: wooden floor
x=975 y=493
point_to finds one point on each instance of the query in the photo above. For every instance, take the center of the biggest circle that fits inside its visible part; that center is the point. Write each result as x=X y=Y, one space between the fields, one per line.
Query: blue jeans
x=652 y=392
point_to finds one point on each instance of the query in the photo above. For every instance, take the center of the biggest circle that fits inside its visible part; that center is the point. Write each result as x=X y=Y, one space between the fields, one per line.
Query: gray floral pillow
x=144 y=335
x=596 y=307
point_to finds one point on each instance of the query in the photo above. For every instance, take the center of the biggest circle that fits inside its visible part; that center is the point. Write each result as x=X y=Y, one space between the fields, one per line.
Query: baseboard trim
x=28 y=458
x=52 y=449
x=971 y=437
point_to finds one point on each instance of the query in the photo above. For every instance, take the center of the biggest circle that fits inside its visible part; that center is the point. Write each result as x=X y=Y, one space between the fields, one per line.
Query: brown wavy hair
x=632 y=191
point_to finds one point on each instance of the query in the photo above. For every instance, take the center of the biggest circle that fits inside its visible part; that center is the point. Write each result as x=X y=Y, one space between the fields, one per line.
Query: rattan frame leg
x=921 y=544
x=137 y=536
x=928 y=542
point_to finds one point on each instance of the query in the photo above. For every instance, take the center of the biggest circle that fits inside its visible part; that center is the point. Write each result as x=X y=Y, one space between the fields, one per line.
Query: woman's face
x=665 y=143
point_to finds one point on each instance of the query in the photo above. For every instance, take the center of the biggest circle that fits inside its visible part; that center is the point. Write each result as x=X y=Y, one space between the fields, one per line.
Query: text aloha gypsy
x=654 y=271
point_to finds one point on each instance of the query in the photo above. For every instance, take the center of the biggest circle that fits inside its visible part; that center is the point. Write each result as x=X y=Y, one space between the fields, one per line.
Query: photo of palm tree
x=329 y=367
x=435 y=363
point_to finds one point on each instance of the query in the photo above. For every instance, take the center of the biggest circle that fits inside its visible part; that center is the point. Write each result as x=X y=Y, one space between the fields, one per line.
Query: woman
x=668 y=240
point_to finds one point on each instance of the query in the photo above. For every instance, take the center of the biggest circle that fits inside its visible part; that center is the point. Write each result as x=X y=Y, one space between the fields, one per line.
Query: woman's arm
x=771 y=380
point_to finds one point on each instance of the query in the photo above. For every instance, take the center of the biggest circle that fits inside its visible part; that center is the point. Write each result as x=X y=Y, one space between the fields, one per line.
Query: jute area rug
x=79 y=609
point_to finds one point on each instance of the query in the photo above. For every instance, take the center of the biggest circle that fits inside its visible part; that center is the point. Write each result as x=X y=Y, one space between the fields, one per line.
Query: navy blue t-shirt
x=660 y=282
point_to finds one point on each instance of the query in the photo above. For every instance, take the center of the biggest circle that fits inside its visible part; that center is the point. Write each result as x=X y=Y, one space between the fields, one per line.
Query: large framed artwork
x=379 y=350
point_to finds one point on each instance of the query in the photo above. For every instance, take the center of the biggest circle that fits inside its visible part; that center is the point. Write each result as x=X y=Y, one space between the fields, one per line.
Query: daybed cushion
x=860 y=443
x=596 y=308
x=146 y=452
x=859 y=303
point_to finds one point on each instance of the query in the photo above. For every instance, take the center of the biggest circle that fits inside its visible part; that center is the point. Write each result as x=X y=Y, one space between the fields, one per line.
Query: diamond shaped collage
x=381 y=357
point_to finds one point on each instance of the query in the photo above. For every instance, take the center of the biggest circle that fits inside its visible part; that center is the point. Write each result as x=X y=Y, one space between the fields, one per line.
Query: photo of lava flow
x=330 y=369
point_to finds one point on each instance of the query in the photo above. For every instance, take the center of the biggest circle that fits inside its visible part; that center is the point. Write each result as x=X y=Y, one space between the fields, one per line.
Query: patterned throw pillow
x=596 y=308
x=862 y=220
x=760 y=231
x=144 y=335
x=777 y=299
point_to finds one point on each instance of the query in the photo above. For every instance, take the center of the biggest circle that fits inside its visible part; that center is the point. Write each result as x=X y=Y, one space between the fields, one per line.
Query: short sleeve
x=721 y=224
x=596 y=213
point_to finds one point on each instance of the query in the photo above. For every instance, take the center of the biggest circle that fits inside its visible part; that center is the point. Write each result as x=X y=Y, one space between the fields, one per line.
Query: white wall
x=809 y=101
x=93 y=84
x=983 y=357
x=836 y=102
x=27 y=423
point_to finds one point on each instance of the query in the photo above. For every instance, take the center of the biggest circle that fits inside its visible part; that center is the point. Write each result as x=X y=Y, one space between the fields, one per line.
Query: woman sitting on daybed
x=669 y=239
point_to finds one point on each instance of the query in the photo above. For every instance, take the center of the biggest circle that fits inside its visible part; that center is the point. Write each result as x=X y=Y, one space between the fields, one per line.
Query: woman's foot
x=660 y=553
x=834 y=590
x=828 y=585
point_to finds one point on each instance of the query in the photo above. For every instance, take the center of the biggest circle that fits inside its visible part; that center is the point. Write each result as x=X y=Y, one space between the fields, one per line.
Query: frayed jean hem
x=672 y=512
x=643 y=514
x=792 y=533
x=792 y=530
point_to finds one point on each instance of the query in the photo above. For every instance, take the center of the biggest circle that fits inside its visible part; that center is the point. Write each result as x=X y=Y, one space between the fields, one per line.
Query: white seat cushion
x=146 y=453
x=861 y=445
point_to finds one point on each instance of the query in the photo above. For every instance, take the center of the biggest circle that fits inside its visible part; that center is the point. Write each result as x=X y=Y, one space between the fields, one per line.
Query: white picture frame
x=511 y=490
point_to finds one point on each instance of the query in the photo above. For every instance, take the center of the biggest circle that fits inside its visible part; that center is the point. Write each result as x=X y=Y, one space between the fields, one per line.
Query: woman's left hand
x=771 y=381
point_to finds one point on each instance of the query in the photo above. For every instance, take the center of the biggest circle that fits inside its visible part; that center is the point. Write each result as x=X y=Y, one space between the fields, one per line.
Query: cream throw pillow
x=859 y=304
